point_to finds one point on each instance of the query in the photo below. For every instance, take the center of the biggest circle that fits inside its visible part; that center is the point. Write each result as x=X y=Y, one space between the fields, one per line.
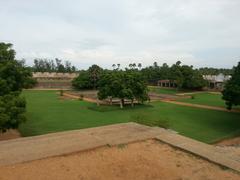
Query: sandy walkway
x=144 y=160
x=202 y=106
x=230 y=142
x=11 y=134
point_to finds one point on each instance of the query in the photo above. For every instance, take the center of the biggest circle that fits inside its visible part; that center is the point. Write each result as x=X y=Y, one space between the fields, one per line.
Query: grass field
x=206 y=99
x=47 y=113
x=209 y=99
x=159 y=90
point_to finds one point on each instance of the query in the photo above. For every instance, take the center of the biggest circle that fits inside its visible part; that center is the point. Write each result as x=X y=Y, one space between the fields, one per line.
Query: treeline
x=49 y=65
x=184 y=76
x=215 y=71
x=164 y=71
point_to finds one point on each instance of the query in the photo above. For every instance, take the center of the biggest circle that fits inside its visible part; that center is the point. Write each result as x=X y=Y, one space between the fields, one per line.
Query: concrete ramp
x=56 y=144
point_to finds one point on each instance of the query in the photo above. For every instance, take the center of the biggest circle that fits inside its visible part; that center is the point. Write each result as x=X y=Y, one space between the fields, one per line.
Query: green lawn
x=207 y=99
x=159 y=90
x=47 y=113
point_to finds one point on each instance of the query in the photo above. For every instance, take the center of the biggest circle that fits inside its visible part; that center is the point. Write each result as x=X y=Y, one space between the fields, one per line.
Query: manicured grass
x=209 y=99
x=206 y=99
x=159 y=90
x=47 y=113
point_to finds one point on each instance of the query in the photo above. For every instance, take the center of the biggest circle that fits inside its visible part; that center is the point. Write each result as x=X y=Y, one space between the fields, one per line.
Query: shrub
x=61 y=92
x=81 y=97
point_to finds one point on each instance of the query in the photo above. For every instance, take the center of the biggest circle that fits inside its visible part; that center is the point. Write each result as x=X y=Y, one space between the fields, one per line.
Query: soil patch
x=11 y=134
x=142 y=160
x=230 y=142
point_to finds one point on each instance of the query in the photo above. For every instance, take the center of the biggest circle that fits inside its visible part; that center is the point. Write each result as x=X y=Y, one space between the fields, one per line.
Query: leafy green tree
x=82 y=81
x=94 y=73
x=123 y=85
x=231 y=92
x=139 y=65
x=88 y=79
x=192 y=79
x=176 y=74
x=13 y=77
x=136 y=86
x=215 y=71
x=12 y=111
x=46 y=65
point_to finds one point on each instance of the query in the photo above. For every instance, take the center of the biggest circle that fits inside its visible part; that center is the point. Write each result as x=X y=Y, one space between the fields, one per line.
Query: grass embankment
x=158 y=90
x=47 y=113
x=209 y=99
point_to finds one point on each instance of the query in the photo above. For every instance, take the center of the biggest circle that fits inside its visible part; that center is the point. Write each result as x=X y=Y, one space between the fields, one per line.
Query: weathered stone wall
x=54 y=80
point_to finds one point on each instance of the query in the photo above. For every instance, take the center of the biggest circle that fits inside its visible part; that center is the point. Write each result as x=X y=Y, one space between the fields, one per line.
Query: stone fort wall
x=54 y=80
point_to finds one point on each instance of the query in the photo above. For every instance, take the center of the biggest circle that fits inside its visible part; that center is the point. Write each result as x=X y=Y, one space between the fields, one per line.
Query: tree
x=88 y=79
x=192 y=79
x=94 y=74
x=46 y=65
x=123 y=85
x=13 y=77
x=82 y=81
x=139 y=65
x=118 y=66
x=231 y=92
x=136 y=86
x=12 y=111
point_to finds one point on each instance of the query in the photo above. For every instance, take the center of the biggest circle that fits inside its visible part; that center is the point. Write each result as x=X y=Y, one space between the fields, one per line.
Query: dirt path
x=202 y=106
x=77 y=97
x=11 y=134
x=230 y=142
x=141 y=161
x=190 y=93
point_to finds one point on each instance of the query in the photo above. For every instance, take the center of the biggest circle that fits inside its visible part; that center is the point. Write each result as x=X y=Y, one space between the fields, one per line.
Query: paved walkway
x=55 y=144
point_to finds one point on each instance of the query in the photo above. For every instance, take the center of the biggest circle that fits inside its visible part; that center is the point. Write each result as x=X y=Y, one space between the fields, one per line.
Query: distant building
x=54 y=80
x=167 y=83
x=216 y=81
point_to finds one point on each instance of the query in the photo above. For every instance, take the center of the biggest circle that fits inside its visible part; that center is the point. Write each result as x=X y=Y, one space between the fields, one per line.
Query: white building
x=216 y=81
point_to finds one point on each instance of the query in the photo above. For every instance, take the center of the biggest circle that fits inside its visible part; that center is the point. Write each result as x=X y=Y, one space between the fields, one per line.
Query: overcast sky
x=103 y=32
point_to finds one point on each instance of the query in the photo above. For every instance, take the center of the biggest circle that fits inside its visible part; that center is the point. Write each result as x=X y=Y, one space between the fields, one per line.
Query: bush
x=12 y=111
x=81 y=97
x=61 y=92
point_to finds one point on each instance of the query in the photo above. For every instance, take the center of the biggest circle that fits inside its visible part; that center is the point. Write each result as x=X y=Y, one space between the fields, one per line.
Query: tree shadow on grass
x=108 y=108
x=147 y=119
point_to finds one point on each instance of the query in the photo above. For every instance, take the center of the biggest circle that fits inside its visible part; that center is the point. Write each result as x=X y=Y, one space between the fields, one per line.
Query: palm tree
x=130 y=65
x=139 y=65
x=118 y=66
x=134 y=65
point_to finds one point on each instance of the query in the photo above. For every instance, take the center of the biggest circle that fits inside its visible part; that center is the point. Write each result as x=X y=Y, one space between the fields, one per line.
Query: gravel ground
x=141 y=160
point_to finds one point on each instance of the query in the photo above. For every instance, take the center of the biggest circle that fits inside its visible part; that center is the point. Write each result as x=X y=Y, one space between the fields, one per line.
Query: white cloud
x=202 y=33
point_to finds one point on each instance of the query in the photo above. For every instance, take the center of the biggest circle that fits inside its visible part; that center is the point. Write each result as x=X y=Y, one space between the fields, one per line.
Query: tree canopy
x=49 y=65
x=88 y=79
x=123 y=85
x=185 y=76
x=231 y=92
x=13 y=77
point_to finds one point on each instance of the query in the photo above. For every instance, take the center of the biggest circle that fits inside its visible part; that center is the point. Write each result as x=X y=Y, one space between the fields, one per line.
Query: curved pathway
x=202 y=106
